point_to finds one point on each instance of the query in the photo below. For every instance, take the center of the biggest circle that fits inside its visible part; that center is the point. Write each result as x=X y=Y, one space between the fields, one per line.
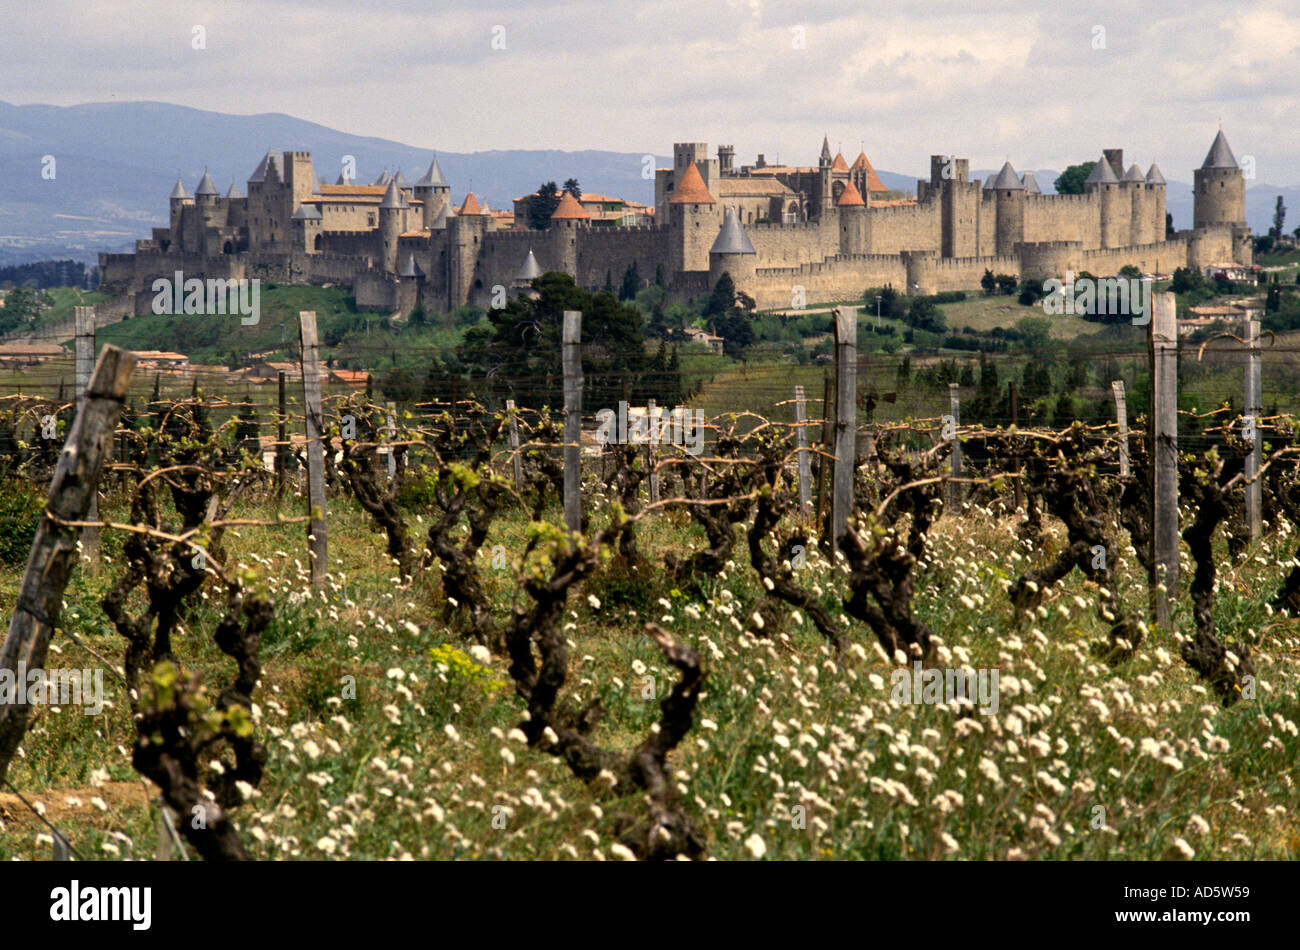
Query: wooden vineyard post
x=1015 y=417
x=392 y=434
x=281 y=443
x=1121 y=419
x=801 y=440
x=846 y=417
x=824 y=446
x=53 y=554
x=954 y=412
x=652 y=449
x=572 y=365
x=518 y=463
x=85 y=350
x=1254 y=396
x=317 y=546
x=1164 y=452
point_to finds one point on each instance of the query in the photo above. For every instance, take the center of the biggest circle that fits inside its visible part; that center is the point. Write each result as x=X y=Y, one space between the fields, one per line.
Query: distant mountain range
x=115 y=163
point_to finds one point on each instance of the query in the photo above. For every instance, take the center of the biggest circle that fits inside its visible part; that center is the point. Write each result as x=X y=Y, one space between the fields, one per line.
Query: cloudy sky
x=1043 y=83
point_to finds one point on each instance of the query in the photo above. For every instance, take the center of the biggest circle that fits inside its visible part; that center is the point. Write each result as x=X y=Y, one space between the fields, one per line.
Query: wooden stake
x=652 y=449
x=1015 y=409
x=514 y=445
x=1164 y=452
x=571 y=357
x=85 y=348
x=801 y=440
x=1254 y=409
x=954 y=410
x=846 y=417
x=1121 y=418
x=53 y=555
x=318 y=549
x=281 y=442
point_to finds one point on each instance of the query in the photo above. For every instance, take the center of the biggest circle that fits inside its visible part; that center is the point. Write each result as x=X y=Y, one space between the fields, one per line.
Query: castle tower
x=434 y=191
x=824 y=196
x=206 y=199
x=1220 y=188
x=855 y=222
x=1135 y=183
x=178 y=200
x=1105 y=184
x=726 y=159
x=692 y=215
x=299 y=179
x=567 y=220
x=390 y=227
x=1009 y=208
x=1030 y=184
x=264 y=222
x=733 y=253
x=465 y=234
x=307 y=224
x=236 y=207
x=1156 y=186
x=959 y=203
x=529 y=272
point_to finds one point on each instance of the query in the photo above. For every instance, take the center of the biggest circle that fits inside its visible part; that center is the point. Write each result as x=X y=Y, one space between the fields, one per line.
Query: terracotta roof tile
x=691 y=189
x=569 y=210
x=839 y=165
x=850 y=197
x=471 y=206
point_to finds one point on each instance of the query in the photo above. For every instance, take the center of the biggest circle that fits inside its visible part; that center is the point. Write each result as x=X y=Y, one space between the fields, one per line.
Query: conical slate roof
x=1102 y=174
x=988 y=184
x=570 y=210
x=440 y=222
x=531 y=268
x=234 y=191
x=179 y=191
x=826 y=148
x=433 y=178
x=410 y=268
x=392 y=197
x=401 y=180
x=206 y=186
x=1219 y=156
x=1030 y=184
x=307 y=213
x=691 y=189
x=732 y=239
x=1008 y=179
x=383 y=179
x=1133 y=174
x=850 y=197
x=1153 y=175
x=342 y=179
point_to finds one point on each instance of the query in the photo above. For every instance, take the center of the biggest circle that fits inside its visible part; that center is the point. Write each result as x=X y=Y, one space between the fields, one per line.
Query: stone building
x=785 y=233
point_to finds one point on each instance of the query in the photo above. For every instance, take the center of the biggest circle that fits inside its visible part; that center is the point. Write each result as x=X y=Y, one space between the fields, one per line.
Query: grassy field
x=793 y=755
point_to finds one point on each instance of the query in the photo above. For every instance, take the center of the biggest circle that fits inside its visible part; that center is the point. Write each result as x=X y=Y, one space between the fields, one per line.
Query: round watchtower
x=1220 y=188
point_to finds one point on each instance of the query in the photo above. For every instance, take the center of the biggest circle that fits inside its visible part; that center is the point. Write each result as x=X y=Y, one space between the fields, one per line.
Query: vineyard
x=458 y=629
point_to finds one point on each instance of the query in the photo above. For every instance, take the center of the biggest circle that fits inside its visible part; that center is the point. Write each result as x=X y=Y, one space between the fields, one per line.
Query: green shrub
x=21 y=508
